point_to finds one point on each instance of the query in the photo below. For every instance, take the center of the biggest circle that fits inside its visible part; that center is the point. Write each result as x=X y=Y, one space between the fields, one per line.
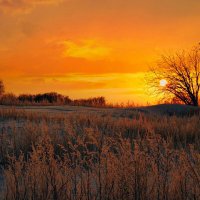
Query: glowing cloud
x=87 y=49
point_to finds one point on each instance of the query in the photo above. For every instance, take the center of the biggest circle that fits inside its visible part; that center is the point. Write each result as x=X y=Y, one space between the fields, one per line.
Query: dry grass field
x=99 y=153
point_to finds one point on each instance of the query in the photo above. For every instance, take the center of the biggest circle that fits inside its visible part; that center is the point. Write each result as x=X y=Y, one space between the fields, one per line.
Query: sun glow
x=163 y=83
x=93 y=47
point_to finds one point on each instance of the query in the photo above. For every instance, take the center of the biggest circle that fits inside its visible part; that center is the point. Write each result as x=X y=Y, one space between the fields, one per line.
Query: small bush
x=9 y=99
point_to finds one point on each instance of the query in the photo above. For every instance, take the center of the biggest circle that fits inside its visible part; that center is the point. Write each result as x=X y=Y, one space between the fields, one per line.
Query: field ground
x=168 y=109
x=71 y=152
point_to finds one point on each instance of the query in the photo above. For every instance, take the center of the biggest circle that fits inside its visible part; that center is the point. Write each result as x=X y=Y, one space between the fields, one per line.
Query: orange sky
x=85 y=48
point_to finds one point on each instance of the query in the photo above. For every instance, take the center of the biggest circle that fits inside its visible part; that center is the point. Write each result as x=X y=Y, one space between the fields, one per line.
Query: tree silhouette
x=181 y=72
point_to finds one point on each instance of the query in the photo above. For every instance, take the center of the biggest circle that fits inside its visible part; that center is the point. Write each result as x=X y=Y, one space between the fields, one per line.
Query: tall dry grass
x=91 y=156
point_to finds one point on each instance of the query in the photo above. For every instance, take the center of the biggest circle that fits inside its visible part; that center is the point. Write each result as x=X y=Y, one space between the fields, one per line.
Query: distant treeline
x=51 y=98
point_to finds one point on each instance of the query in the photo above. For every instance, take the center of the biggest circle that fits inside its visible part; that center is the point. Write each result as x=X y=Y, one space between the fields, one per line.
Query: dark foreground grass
x=99 y=156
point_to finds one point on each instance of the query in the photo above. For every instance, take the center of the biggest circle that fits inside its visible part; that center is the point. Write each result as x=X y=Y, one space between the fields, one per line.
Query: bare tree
x=2 y=88
x=180 y=75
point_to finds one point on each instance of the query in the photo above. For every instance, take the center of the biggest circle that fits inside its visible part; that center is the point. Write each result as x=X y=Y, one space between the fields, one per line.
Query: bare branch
x=182 y=73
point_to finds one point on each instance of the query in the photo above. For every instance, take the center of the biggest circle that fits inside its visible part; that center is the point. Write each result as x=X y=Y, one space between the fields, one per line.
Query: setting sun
x=163 y=83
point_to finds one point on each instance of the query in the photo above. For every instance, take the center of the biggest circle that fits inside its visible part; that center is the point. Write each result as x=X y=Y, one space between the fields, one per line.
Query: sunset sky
x=85 y=48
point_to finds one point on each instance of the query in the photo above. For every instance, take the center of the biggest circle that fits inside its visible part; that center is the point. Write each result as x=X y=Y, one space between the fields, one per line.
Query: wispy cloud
x=116 y=87
x=87 y=49
x=23 y=6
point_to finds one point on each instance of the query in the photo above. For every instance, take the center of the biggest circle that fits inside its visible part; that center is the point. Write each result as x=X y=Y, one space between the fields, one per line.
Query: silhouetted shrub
x=52 y=98
x=46 y=98
x=67 y=100
x=8 y=99
x=2 y=88
x=96 y=102
x=26 y=98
